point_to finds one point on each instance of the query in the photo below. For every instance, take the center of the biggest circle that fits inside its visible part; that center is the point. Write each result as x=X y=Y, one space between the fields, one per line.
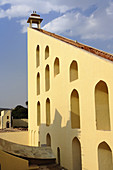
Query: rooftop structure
x=34 y=18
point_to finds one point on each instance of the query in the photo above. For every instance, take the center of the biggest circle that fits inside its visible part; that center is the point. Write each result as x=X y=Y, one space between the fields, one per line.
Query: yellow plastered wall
x=9 y=162
x=5 y=119
x=16 y=137
x=90 y=69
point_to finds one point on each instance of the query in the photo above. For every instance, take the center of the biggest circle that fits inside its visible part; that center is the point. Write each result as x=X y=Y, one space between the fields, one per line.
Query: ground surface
x=13 y=130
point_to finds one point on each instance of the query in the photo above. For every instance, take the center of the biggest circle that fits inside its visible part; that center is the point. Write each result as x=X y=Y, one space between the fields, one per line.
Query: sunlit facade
x=70 y=94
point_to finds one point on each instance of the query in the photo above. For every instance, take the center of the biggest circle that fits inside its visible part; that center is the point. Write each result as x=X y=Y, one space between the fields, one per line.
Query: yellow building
x=70 y=94
x=5 y=119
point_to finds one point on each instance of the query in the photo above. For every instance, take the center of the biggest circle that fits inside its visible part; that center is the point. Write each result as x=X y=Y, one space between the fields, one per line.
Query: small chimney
x=34 y=19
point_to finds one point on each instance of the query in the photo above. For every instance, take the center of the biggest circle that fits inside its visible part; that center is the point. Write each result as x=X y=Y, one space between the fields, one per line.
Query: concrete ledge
x=27 y=152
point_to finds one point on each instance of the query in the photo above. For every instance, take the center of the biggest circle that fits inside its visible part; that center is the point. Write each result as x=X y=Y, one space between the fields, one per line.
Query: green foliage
x=20 y=112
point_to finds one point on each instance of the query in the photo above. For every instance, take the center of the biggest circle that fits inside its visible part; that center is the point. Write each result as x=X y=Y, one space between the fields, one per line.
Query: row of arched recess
x=73 y=74
x=48 y=117
x=73 y=66
x=73 y=69
x=38 y=54
x=47 y=75
x=104 y=154
x=102 y=115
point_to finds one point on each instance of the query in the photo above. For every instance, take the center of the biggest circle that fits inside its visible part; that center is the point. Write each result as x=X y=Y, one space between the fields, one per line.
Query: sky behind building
x=87 y=21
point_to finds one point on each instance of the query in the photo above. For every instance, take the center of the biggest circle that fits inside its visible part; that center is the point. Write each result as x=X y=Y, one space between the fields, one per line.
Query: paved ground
x=13 y=130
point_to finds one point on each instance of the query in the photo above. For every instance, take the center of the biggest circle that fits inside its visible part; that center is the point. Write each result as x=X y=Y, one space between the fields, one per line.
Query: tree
x=20 y=112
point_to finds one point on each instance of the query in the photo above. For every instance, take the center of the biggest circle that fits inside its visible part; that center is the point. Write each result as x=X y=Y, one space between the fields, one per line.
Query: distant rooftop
x=4 y=109
x=1 y=109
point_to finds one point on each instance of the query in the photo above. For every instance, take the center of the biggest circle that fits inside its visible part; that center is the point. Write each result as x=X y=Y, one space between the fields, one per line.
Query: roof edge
x=90 y=49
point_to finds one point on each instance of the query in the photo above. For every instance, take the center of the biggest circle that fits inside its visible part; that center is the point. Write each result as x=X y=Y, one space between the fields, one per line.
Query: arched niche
x=76 y=154
x=38 y=83
x=48 y=118
x=47 y=78
x=48 y=139
x=46 y=52
x=73 y=71
x=56 y=66
x=38 y=113
x=104 y=157
x=75 y=111
x=37 y=56
x=102 y=106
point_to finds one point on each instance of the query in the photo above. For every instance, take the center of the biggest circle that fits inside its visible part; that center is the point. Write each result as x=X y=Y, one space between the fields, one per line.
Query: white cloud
x=42 y=6
x=24 y=25
x=45 y=6
x=15 y=11
x=71 y=24
x=109 y=10
x=97 y=25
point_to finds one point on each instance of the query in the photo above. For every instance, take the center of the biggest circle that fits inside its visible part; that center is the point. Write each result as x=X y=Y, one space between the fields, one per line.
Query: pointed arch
x=46 y=52
x=56 y=66
x=104 y=157
x=47 y=78
x=37 y=56
x=38 y=113
x=75 y=111
x=48 y=139
x=38 y=83
x=102 y=106
x=73 y=71
x=48 y=118
x=76 y=154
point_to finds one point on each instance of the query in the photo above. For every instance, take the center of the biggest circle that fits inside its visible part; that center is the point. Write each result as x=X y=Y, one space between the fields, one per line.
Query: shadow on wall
x=58 y=129
x=63 y=139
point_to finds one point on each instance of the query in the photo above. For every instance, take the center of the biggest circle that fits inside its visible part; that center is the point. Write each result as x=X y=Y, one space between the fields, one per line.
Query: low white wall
x=16 y=137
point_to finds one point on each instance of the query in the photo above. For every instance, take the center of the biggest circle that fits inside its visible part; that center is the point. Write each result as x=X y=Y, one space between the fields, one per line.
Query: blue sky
x=87 y=21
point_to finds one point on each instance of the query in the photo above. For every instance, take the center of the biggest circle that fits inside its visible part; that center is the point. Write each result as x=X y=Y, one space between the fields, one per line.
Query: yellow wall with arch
x=19 y=137
x=90 y=69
